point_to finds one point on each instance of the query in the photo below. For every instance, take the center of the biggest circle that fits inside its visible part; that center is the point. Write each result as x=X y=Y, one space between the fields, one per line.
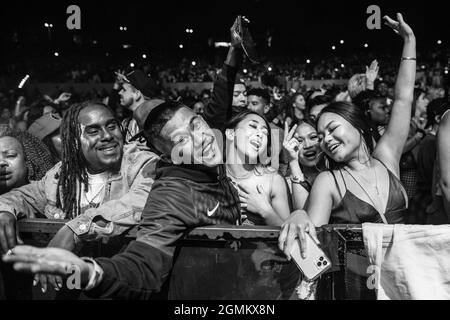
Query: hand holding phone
x=316 y=262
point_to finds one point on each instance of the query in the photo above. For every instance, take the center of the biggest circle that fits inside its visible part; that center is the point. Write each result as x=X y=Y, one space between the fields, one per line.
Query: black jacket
x=182 y=198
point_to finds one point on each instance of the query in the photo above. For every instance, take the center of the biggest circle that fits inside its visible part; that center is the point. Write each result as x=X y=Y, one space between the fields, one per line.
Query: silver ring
x=9 y=252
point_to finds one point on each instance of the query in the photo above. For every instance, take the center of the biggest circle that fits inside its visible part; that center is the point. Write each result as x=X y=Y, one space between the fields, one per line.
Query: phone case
x=316 y=262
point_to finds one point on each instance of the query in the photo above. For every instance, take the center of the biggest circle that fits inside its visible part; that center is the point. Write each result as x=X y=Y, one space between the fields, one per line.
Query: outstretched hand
x=48 y=261
x=400 y=26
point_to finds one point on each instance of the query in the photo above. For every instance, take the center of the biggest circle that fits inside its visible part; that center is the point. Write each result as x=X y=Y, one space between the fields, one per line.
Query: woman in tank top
x=302 y=145
x=262 y=191
x=362 y=184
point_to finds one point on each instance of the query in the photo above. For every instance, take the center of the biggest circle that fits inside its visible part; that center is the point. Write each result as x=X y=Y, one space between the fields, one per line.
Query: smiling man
x=100 y=185
x=190 y=190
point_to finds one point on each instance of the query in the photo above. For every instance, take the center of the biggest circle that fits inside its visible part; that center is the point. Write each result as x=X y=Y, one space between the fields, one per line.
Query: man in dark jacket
x=186 y=195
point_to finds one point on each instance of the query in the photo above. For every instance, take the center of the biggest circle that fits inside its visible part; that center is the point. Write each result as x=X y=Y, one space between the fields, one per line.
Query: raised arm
x=218 y=111
x=390 y=147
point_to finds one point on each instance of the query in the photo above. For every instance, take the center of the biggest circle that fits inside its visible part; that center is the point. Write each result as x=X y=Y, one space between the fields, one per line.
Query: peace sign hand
x=291 y=144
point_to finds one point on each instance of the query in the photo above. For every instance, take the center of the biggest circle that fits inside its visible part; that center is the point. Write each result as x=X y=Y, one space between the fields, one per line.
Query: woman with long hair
x=363 y=183
x=263 y=192
x=302 y=145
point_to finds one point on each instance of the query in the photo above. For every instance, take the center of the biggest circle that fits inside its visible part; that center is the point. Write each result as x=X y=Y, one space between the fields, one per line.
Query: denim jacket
x=125 y=197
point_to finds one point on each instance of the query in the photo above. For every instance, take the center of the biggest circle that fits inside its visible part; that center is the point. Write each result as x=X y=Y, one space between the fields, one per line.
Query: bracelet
x=408 y=58
x=298 y=180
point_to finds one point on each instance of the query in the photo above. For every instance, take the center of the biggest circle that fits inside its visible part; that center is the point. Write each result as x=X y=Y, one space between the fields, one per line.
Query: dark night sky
x=295 y=24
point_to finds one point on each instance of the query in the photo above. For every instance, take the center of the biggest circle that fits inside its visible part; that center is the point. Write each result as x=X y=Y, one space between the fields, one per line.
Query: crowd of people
x=371 y=151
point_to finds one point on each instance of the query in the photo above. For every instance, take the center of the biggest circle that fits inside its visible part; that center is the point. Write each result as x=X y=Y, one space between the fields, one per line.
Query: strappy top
x=353 y=210
x=261 y=175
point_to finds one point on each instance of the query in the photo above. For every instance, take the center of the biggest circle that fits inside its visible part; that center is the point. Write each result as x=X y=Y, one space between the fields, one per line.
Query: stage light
x=56 y=54
x=245 y=70
x=342 y=41
x=333 y=48
x=269 y=69
x=308 y=61
x=194 y=63
x=365 y=45
x=342 y=65
x=180 y=46
x=439 y=42
x=144 y=56
x=46 y=25
x=132 y=65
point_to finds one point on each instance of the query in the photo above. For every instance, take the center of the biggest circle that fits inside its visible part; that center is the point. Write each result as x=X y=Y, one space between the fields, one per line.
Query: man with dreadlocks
x=184 y=196
x=100 y=185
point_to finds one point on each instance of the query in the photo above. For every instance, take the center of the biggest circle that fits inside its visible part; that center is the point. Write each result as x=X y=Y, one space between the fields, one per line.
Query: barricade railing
x=239 y=262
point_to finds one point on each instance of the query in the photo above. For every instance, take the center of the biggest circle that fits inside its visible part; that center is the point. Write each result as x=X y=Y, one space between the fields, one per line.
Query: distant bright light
x=187 y=30
x=342 y=65
x=423 y=67
x=333 y=48
x=336 y=69
x=439 y=42
x=194 y=63
x=144 y=56
x=222 y=44
x=46 y=25
x=125 y=28
x=308 y=61
x=341 y=42
x=56 y=54
x=365 y=45
x=269 y=69
x=132 y=65
x=180 y=46
x=51 y=26
x=245 y=70
x=121 y=28
x=446 y=71
x=95 y=42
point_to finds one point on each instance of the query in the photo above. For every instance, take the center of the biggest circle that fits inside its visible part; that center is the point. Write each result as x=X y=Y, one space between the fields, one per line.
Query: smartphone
x=316 y=262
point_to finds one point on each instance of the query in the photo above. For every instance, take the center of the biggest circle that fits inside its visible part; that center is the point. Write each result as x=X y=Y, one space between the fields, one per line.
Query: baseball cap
x=143 y=112
x=45 y=125
x=143 y=83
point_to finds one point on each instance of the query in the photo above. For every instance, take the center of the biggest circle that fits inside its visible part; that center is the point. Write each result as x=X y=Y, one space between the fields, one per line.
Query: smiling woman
x=262 y=191
x=23 y=158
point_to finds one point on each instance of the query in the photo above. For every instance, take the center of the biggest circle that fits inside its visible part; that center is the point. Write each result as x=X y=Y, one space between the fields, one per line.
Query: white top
x=96 y=191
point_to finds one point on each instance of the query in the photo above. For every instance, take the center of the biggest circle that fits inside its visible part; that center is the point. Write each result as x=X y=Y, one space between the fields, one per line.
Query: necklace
x=91 y=203
x=368 y=182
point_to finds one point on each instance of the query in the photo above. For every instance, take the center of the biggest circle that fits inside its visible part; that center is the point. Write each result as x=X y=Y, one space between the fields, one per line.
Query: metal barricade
x=241 y=263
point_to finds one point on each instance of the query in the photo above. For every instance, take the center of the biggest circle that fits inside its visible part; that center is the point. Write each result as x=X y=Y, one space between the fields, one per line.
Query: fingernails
x=34 y=282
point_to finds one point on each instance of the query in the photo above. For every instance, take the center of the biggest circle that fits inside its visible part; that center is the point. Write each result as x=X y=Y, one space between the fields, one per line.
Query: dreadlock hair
x=37 y=156
x=73 y=174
